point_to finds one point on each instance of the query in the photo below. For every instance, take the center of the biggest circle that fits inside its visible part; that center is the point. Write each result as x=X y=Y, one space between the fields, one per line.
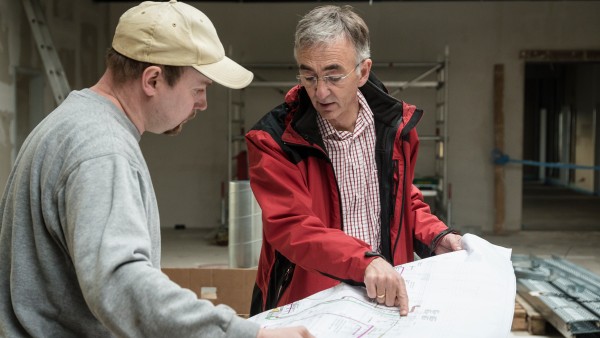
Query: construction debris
x=563 y=293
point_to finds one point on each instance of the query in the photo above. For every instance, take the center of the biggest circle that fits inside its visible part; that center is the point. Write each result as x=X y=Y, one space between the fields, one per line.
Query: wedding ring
x=381 y=296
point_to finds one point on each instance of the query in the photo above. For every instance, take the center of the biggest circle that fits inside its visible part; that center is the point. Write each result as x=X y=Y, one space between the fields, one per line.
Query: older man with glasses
x=332 y=169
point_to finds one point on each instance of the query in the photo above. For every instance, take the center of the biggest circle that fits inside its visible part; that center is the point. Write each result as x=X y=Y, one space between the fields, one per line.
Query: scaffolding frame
x=440 y=191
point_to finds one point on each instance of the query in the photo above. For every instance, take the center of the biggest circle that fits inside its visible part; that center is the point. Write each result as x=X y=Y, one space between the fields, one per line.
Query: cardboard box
x=232 y=287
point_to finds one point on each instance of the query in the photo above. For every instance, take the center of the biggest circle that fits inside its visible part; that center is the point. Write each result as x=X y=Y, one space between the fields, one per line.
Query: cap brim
x=227 y=73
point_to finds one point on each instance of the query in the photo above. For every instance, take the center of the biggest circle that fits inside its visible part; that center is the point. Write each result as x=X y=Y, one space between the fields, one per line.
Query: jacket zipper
x=401 y=220
x=284 y=282
x=386 y=228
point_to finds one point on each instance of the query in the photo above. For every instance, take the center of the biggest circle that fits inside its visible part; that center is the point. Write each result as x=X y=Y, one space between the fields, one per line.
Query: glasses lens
x=306 y=81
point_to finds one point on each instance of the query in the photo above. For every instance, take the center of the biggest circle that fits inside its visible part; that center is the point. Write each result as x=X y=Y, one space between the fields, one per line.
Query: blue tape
x=503 y=159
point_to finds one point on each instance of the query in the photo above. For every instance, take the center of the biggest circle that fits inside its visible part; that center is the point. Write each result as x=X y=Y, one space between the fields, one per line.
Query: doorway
x=562 y=101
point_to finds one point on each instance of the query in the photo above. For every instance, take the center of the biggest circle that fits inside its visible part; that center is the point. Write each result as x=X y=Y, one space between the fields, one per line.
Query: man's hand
x=287 y=332
x=386 y=285
x=449 y=243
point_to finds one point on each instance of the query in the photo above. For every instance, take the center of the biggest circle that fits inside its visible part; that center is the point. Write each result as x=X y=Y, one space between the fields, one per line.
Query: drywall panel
x=9 y=34
x=25 y=98
x=479 y=35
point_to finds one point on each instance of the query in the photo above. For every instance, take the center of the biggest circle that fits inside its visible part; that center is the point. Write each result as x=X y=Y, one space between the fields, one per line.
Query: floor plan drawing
x=468 y=293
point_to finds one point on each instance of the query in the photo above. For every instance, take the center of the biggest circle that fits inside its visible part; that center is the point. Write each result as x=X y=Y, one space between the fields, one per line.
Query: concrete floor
x=196 y=248
x=555 y=222
x=192 y=248
x=548 y=207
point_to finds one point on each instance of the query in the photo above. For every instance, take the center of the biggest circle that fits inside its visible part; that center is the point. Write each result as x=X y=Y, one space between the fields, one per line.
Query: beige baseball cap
x=176 y=34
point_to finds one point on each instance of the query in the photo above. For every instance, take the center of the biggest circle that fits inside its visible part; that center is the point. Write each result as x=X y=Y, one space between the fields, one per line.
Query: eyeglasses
x=310 y=81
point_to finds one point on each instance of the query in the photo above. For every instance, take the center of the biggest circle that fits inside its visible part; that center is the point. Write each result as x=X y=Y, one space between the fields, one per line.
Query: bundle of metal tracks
x=567 y=295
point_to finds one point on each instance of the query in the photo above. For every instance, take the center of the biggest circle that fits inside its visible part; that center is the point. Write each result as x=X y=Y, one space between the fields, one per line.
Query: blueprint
x=467 y=293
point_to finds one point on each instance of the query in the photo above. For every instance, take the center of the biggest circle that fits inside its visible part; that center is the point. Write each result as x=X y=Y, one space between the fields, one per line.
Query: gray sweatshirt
x=80 y=237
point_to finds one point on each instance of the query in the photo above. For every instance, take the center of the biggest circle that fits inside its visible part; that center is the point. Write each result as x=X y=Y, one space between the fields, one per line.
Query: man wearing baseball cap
x=80 y=232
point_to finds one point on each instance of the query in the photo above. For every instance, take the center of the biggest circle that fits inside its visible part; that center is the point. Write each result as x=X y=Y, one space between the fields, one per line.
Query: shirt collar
x=364 y=119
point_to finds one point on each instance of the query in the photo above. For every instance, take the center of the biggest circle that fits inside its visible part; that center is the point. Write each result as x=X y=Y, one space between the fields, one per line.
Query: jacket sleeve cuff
x=369 y=254
x=438 y=238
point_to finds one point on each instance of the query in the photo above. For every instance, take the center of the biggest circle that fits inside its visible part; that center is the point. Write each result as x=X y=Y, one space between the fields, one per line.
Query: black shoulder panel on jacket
x=274 y=124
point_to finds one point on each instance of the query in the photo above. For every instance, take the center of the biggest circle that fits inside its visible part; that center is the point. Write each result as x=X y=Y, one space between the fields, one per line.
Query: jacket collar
x=302 y=125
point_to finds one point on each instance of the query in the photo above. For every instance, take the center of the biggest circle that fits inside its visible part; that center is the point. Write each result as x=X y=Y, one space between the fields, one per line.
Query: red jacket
x=304 y=248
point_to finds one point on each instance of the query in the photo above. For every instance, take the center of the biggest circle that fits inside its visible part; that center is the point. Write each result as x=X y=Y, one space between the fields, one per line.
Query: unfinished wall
x=79 y=32
x=479 y=35
x=188 y=170
x=9 y=35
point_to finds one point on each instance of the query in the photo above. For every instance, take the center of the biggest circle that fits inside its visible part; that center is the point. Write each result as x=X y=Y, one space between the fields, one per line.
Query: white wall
x=479 y=35
x=9 y=34
x=79 y=32
x=188 y=170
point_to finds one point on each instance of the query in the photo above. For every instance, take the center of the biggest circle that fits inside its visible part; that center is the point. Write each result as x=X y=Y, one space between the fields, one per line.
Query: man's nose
x=322 y=88
x=202 y=102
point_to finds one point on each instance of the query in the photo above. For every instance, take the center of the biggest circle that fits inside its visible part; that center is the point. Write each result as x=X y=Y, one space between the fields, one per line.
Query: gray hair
x=330 y=23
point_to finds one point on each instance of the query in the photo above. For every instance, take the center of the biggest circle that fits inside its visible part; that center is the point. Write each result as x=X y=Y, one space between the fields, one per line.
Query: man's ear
x=150 y=78
x=365 y=70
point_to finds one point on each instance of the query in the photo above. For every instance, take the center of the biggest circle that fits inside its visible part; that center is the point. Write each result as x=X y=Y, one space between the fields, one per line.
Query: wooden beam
x=499 y=202
x=536 y=323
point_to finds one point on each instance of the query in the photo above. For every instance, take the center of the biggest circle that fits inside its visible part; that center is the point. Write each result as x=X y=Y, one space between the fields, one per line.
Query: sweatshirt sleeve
x=290 y=224
x=108 y=239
